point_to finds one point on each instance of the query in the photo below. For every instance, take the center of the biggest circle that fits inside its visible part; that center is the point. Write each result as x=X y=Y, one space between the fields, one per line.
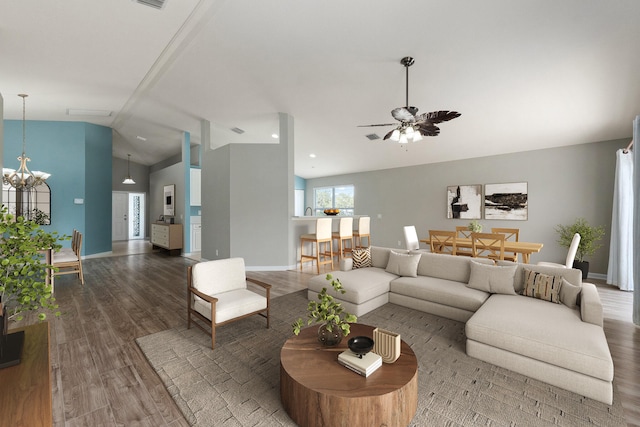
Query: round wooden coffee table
x=317 y=391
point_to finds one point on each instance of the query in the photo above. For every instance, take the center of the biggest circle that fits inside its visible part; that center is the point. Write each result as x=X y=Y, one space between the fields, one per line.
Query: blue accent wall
x=78 y=157
x=299 y=183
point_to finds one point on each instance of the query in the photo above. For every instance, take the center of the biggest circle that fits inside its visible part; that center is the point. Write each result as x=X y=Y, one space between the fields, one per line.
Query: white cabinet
x=196 y=187
x=196 y=237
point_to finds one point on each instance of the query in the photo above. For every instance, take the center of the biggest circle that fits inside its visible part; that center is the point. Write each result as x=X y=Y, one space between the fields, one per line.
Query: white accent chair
x=217 y=294
x=571 y=255
x=344 y=235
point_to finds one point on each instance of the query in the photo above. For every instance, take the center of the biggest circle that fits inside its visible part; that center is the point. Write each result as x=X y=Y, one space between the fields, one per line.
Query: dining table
x=523 y=248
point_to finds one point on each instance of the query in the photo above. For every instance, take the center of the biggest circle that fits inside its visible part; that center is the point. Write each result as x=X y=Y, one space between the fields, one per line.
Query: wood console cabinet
x=167 y=236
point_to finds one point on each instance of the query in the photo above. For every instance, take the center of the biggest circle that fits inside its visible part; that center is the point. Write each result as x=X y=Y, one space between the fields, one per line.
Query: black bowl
x=360 y=345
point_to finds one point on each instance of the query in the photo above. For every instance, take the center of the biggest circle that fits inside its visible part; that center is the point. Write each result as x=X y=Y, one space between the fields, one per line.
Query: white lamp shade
x=409 y=132
x=128 y=180
x=417 y=136
x=403 y=139
x=395 y=135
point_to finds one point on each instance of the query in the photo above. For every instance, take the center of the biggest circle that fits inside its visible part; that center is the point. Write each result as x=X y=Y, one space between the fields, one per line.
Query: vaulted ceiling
x=525 y=75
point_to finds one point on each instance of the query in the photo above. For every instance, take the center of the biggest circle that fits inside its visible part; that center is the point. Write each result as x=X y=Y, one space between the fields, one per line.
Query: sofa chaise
x=540 y=321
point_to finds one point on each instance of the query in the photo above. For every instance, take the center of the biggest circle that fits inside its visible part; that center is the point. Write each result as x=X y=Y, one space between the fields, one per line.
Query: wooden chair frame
x=70 y=262
x=322 y=237
x=364 y=230
x=483 y=245
x=462 y=231
x=344 y=235
x=212 y=324
x=443 y=242
x=510 y=234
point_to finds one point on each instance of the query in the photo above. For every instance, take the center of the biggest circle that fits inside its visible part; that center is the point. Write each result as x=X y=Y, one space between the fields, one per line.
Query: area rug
x=237 y=384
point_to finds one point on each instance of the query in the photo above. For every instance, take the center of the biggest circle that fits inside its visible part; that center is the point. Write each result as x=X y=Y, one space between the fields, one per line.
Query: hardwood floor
x=101 y=378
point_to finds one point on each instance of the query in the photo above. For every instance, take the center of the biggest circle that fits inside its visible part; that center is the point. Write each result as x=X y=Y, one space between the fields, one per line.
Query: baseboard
x=598 y=276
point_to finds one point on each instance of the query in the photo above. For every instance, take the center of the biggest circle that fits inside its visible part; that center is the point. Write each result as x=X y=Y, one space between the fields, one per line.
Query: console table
x=317 y=391
x=25 y=389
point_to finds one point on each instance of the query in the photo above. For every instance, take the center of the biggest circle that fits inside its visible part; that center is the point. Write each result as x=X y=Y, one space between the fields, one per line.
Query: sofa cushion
x=361 y=257
x=361 y=284
x=491 y=278
x=403 y=264
x=440 y=291
x=380 y=256
x=572 y=275
x=542 y=286
x=442 y=266
x=569 y=294
x=551 y=333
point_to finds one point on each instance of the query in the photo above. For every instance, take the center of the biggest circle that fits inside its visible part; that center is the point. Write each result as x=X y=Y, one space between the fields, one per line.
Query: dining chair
x=69 y=262
x=488 y=245
x=512 y=235
x=322 y=236
x=443 y=242
x=571 y=255
x=462 y=231
x=411 y=241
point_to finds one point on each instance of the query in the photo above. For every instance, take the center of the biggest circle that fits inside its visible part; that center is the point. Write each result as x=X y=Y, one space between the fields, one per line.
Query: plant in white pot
x=23 y=272
x=589 y=241
x=329 y=312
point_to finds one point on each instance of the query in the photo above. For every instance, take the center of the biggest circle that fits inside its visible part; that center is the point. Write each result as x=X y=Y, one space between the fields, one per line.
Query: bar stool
x=343 y=235
x=322 y=235
x=363 y=230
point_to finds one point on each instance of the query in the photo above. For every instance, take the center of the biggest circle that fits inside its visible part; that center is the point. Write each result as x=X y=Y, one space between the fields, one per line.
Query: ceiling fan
x=414 y=126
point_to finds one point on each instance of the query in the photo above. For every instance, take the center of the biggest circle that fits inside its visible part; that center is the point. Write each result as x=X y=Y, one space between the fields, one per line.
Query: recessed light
x=274 y=135
x=141 y=138
x=313 y=156
x=82 y=112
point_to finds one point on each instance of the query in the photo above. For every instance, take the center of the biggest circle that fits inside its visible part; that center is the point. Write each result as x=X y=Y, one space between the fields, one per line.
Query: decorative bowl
x=360 y=345
x=331 y=211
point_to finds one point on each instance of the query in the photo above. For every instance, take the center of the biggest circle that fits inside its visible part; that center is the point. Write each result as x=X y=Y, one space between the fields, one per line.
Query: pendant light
x=128 y=179
x=23 y=178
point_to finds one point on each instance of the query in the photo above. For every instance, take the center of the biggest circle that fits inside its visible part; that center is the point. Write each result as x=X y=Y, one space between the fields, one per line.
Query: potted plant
x=475 y=226
x=589 y=241
x=329 y=312
x=23 y=274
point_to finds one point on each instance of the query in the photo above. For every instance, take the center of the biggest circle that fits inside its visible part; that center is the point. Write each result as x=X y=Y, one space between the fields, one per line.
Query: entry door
x=119 y=212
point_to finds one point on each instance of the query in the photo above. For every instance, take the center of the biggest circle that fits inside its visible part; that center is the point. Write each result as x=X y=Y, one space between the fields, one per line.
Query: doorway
x=128 y=216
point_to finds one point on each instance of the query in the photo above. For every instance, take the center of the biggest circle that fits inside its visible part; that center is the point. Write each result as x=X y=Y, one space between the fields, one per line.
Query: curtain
x=620 y=271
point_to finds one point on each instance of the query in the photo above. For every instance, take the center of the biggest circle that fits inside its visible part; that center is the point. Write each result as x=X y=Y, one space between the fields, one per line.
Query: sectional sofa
x=540 y=321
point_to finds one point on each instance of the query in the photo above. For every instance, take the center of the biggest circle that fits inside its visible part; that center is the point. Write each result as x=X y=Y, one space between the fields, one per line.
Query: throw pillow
x=403 y=264
x=491 y=278
x=542 y=286
x=361 y=257
x=569 y=293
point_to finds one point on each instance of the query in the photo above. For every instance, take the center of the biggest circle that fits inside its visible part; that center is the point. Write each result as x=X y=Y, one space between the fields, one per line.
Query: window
x=32 y=204
x=340 y=197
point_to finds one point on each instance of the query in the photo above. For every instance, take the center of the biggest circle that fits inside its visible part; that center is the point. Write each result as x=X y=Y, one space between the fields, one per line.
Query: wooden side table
x=317 y=391
x=25 y=389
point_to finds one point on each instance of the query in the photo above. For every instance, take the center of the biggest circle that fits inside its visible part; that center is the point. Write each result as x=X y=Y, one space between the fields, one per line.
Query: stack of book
x=363 y=366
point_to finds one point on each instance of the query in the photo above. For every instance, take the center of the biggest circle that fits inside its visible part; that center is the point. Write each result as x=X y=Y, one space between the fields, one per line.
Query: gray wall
x=563 y=183
x=139 y=173
x=173 y=174
x=247 y=201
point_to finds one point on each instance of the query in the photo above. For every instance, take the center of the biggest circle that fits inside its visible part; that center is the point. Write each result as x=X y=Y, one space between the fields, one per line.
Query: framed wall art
x=169 y=200
x=506 y=201
x=464 y=202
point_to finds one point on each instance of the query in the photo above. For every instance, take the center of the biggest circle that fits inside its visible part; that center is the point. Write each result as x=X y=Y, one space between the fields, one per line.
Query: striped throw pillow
x=361 y=257
x=542 y=286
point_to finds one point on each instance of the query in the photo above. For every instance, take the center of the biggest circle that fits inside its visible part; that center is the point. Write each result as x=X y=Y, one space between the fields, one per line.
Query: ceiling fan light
x=403 y=139
x=395 y=135
x=417 y=136
x=409 y=132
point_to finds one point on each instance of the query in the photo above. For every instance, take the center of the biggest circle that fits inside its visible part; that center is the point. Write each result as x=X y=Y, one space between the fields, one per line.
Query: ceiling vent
x=238 y=131
x=372 y=136
x=156 y=4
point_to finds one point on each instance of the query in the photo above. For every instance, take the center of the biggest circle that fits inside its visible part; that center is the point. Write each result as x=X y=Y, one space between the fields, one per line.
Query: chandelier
x=23 y=178
x=406 y=132
x=128 y=179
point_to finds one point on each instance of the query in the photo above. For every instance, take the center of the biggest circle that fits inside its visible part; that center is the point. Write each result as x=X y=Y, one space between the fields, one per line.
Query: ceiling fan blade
x=388 y=135
x=382 y=124
x=428 y=129
x=437 y=116
x=403 y=115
